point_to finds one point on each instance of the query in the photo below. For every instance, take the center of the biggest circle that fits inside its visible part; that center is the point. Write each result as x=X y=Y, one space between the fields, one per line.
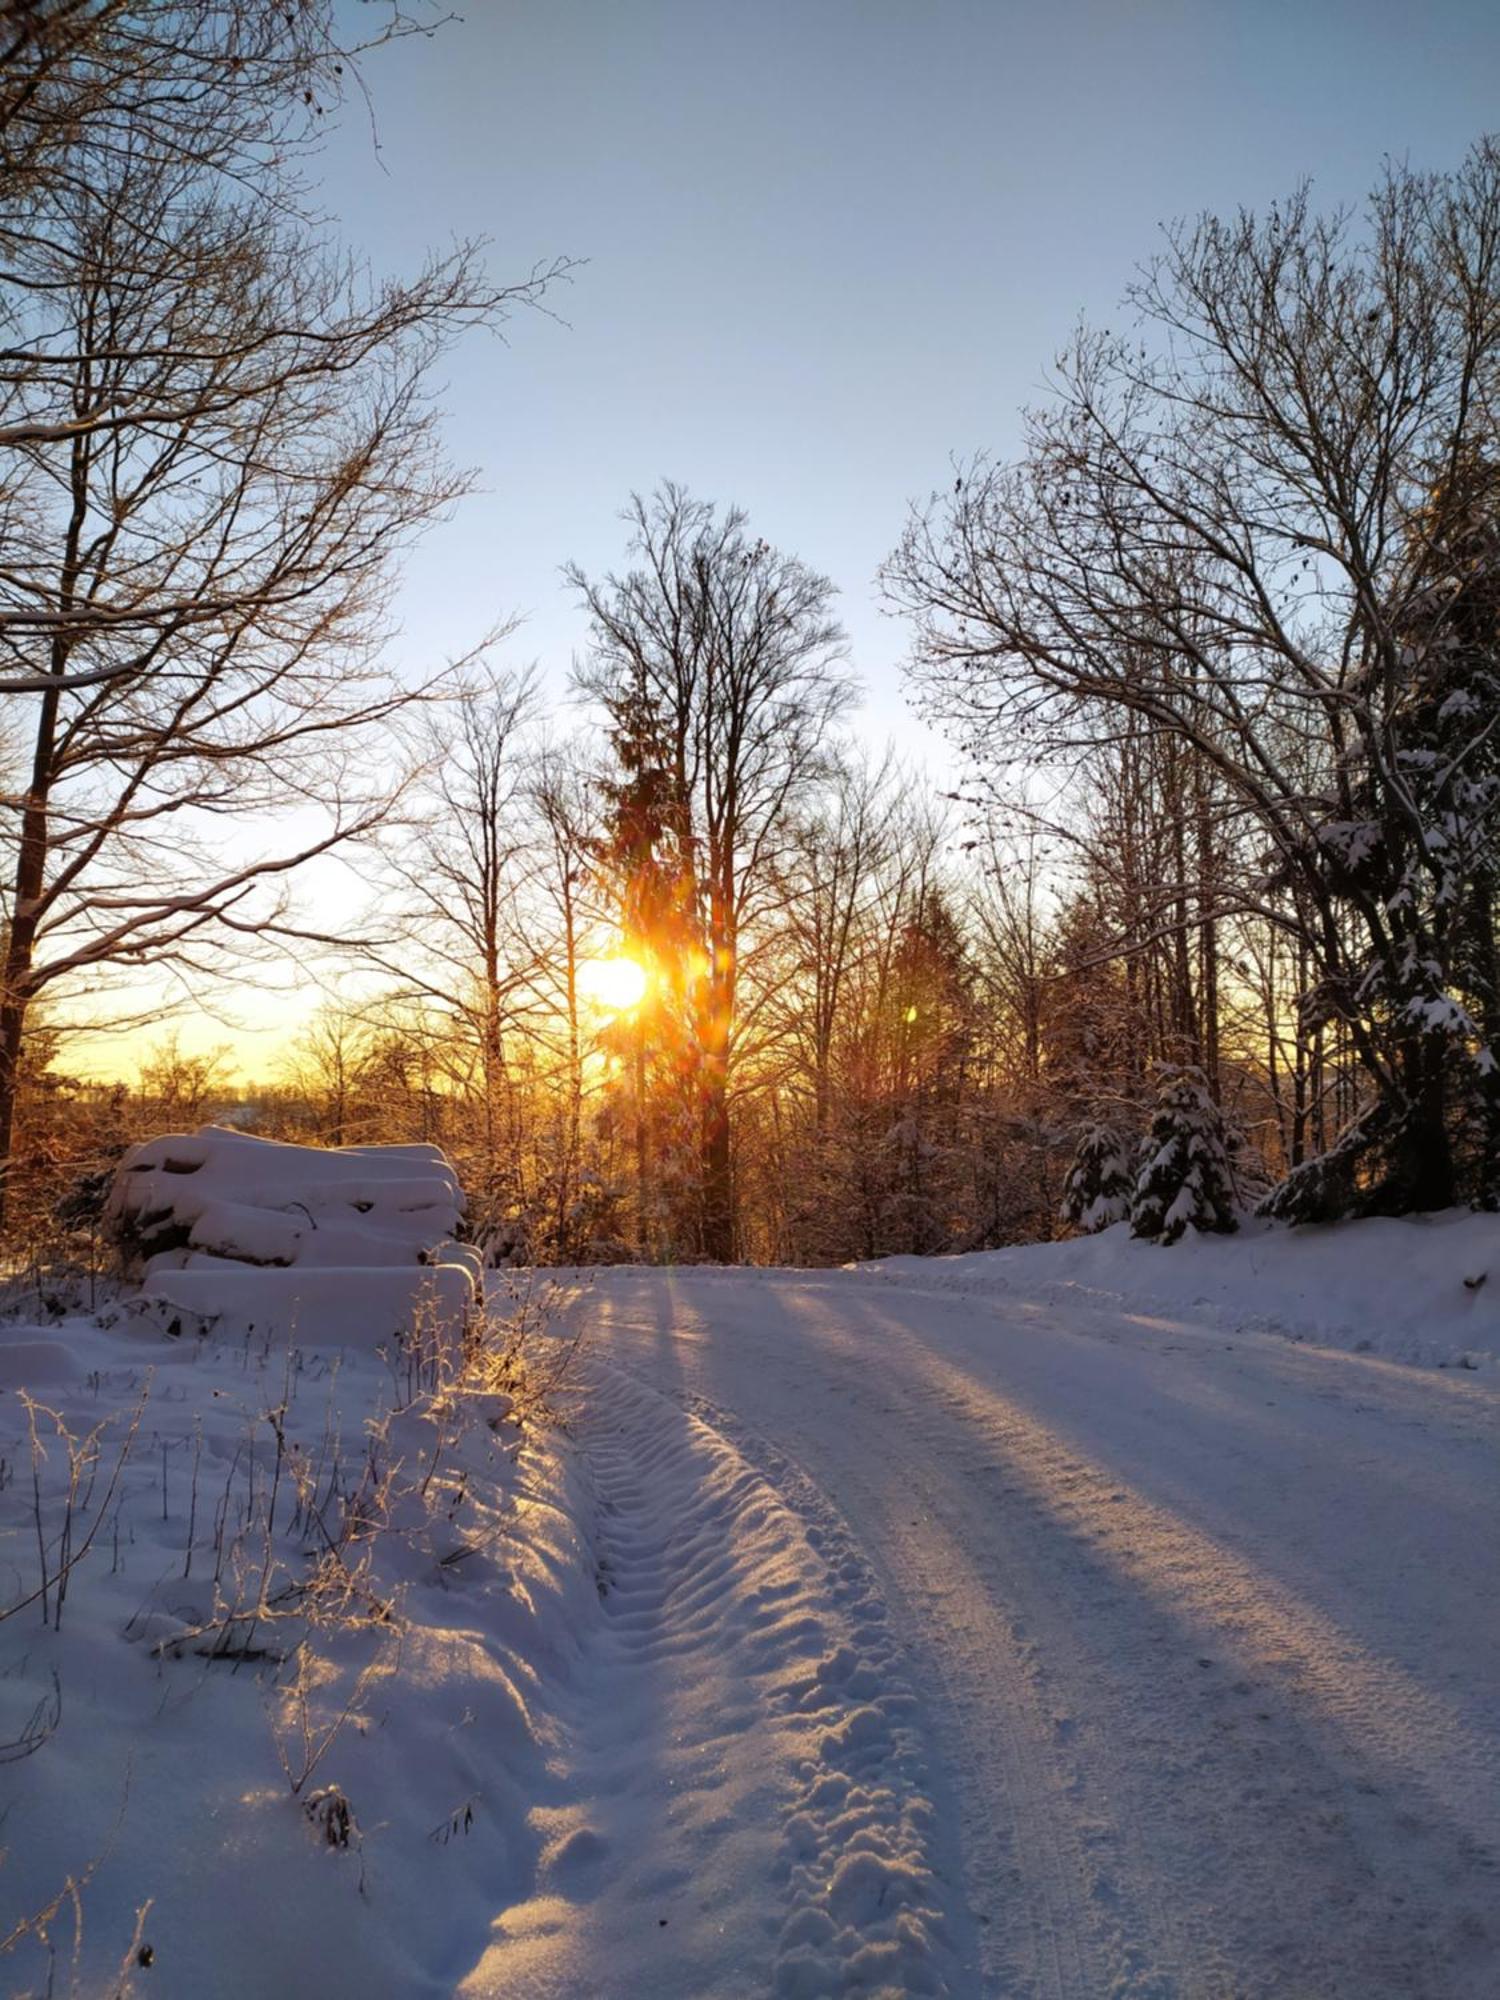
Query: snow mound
x=229 y=1233
x=334 y=1308
x=1419 y=1288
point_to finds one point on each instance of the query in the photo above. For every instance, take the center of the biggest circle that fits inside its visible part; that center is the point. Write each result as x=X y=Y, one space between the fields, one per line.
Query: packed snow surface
x=1087 y=1622
x=1203 y=1618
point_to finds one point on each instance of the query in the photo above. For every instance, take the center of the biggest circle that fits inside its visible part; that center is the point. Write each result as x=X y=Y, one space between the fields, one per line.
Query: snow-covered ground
x=1088 y=1620
x=1203 y=1621
x=290 y=1568
x=1420 y=1288
x=239 y=1650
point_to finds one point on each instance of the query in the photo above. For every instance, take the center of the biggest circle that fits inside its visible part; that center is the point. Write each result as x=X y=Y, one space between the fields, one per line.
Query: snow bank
x=345 y=1308
x=283 y=1609
x=235 y=1235
x=294 y=1701
x=1422 y=1288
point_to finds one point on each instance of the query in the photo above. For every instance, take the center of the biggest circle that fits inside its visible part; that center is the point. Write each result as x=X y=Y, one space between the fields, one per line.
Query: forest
x=1200 y=916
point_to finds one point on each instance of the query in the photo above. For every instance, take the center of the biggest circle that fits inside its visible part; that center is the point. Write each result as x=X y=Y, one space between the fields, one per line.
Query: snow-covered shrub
x=1183 y=1174
x=1097 y=1190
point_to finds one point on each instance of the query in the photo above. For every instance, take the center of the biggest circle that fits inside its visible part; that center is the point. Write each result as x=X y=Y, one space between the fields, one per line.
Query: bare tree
x=220 y=439
x=326 y=1065
x=180 y=1085
x=1014 y=948
x=1271 y=533
x=458 y=861
x=565 y=898
x=234 y=97
x=836 y=854
x=217 y=80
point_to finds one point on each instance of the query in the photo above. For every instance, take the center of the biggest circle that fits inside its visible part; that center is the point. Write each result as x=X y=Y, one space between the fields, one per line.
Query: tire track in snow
x=1040 y=1934
x=857 y=1587
x=1236 y=1730
x=1192 y=1763
x=738 y=1802
x=1045 y=1930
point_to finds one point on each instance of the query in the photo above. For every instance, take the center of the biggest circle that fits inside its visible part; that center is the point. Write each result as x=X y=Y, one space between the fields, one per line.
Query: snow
x=1353 y=841
x=263 y=1202
x=1075 y=1620
x=263 y=1238
x=337 y=1307
x=1439 y=1015
x=283 y=1698
x=360 y=1684
x=1422 y=1289
x=163 y=1775
x=1202 y=1623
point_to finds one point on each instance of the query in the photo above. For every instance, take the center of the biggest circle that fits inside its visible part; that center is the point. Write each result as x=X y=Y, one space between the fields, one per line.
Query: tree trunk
x=12 y=1030
x=642 y=1183
x=713 y=1042
x=1420 y=1173
x=15 y=981
x=573 y=1142
x=718 y=1184
x=1487 y=983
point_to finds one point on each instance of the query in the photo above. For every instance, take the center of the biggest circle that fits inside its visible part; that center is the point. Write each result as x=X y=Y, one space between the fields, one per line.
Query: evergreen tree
x=1449 y=759
x=644 y=857
x=1419 y=844
x=930 y=1029
x=1097 y=1191
x=1093 y=1037
x=1183 y=1174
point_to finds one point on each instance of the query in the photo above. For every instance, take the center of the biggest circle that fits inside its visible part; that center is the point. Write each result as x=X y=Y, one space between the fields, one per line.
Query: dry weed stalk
x=58 y=1557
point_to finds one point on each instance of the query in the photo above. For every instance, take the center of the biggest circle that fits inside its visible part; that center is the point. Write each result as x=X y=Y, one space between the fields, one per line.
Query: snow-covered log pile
x=235 y=1233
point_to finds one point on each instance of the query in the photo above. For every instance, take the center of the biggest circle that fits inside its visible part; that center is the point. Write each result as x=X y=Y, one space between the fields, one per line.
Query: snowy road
x=1204 y=1627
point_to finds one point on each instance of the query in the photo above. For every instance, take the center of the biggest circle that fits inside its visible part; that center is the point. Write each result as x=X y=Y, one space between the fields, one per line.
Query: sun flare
x=615 y=984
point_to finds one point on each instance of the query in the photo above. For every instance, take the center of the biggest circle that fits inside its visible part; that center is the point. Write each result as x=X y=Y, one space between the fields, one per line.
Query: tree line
x=1206 y=901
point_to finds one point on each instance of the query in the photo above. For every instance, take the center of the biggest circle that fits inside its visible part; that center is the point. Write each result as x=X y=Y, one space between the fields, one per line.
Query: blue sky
x=829 y=244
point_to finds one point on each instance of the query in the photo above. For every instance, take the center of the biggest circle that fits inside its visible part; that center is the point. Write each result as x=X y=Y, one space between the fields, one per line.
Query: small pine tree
x=1097 y=1190
x=1183 y=1175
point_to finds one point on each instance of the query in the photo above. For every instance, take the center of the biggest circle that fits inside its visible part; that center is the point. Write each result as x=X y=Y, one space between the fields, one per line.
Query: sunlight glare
x=615 y=984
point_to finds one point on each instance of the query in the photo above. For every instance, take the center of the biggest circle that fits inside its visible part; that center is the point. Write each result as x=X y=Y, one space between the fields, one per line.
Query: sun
x=615 y=984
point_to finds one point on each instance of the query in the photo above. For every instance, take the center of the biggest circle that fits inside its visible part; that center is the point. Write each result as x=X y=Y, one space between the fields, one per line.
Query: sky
x=824 y=248
x=830 y=244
